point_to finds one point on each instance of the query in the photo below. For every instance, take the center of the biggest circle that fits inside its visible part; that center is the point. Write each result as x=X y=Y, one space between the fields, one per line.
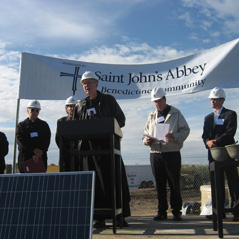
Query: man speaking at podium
x=99 y=105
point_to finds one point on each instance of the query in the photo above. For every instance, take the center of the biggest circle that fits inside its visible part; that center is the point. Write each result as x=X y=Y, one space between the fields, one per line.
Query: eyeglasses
x=89 y=83
x=216 y=99
x=33 y=110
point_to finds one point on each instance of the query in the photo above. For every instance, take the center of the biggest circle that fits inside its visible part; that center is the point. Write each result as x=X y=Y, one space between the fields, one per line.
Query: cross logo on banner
x=75 y=77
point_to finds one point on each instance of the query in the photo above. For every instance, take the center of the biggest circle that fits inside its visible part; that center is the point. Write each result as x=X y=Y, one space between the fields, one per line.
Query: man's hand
x=169 y=137
x=36 y=158
x=37 y=155
x=38 y=152
x=211 y=143
x=149 y=140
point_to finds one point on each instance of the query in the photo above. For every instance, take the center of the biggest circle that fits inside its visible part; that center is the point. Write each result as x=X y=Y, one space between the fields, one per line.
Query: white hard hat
x=88 y=75
x=217 y=93
x=157 y=93
x=34 y=104
x=70 y=101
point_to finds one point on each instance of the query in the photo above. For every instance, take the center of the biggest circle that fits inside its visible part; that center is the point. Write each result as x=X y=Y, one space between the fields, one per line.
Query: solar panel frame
x=47 y=205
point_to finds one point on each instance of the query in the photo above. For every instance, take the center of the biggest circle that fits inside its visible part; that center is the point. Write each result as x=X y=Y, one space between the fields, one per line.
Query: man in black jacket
x=3 y=151
x=33 y=136
x=219 y=129
x=99 y=105
x=65 y=163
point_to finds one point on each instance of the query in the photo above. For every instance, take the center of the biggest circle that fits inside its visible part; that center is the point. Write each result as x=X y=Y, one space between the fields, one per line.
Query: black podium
x=216 y=169
x=103 y=129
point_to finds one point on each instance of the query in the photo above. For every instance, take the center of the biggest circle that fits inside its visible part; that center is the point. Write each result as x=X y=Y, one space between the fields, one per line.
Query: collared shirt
x=216 y=117
x=162 y=114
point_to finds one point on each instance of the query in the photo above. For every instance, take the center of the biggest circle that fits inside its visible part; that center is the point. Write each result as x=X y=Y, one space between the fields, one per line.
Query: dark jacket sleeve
x=21 y=137
x=57 y=138
x=3 y=145
x=207 y=129
x=75 y=114
x=80 y=112
x=117 y=112
x=46 y=137
x=119 y=115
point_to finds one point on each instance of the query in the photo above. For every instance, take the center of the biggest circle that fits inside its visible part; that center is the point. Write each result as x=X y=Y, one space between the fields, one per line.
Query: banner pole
x=15 y=145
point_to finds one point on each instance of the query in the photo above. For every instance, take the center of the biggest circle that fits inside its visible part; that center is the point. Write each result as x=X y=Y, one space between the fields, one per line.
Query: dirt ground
x=144 y=201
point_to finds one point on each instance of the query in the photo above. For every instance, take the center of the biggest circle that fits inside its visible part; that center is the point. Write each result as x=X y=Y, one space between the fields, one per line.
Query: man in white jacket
x=165 y=157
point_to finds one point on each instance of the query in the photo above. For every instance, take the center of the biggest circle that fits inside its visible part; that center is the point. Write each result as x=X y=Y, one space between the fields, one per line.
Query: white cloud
x=186 y=16
x=131 y=53
x=226 y=8
x=61 y=22
x=27 y=21
x=215 y=33
x=206 y=13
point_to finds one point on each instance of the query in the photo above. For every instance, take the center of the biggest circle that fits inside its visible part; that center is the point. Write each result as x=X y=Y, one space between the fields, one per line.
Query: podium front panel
x=92 y=127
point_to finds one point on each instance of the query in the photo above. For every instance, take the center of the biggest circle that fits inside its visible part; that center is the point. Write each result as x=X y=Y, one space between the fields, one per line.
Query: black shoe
x=209 y=217
x=99 y=224
x=177 y=217
x=160 y=217
x=123 y=223
x=235 y=218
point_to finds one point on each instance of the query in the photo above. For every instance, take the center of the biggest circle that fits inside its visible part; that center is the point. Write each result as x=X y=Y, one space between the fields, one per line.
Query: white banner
x=48 y=78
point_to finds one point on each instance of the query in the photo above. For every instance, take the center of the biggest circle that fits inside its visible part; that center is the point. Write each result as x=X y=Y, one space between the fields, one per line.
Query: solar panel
x=47 y=205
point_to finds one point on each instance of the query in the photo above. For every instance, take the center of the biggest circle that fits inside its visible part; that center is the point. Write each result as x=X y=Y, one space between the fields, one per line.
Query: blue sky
x=120 y=32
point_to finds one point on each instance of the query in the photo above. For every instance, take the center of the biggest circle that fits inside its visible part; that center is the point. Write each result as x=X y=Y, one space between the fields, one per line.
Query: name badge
x=160 y=119
x=220 y=122
x=91 y=111
x=34 y=134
